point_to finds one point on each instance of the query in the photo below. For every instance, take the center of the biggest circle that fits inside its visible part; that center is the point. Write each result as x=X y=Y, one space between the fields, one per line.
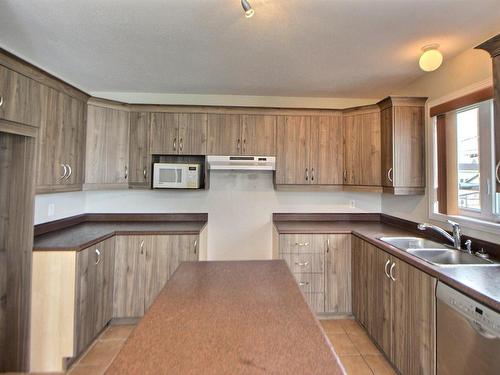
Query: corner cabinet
x=403 y=145
x=395 y=302
x=321 y=265
x=139 y=155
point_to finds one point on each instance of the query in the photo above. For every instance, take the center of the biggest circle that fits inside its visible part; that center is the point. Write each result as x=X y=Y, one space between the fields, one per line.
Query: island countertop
x=238 y=317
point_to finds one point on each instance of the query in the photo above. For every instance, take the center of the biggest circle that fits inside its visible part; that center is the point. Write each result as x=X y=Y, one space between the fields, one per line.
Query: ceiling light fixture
x=431 y=58
x=247 y=8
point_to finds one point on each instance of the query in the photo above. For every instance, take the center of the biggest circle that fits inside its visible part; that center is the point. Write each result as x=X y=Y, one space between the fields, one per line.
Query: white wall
x=61 y=204
x=239 y=206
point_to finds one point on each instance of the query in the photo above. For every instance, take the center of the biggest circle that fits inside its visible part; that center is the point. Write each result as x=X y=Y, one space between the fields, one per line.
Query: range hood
x=241 y=163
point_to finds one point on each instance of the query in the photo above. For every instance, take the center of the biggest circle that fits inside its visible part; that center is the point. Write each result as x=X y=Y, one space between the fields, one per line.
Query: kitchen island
x=228 y=318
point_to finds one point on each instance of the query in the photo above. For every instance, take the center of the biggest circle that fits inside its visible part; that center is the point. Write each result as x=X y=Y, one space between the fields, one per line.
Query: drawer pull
x=303 y=283
x=302 y=243
x=302 y=264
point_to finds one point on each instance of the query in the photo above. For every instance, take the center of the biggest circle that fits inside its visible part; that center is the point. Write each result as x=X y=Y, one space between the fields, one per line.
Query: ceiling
x=330 y=48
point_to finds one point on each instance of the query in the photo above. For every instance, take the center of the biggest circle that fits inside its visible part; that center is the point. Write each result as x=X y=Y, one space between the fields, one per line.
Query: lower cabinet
x=321 y=265
x=143 y=265
x=395 y=302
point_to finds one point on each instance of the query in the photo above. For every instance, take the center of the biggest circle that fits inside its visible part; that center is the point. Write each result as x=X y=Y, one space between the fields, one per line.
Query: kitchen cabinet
x=224 y=134
x=139 y=154
x=403 y=145
x=178 y=134
x=94 y=291
x=61 y=145
x=143 y=264
x=396 y=303
x=362 y=147
x=107 y=151
x=21 y=98
x=321 y=265
x=309 y=150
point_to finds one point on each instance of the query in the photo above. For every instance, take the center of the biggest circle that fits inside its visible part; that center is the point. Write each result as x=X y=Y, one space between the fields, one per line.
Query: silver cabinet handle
x=385 y=268
x=145 y=173
x=301 y=243
x=307 y=174
x=126 y=172
x=1 y=100
x=98 y=254
x=312 y=174
x=301 y=264
x=64 y=172
x=327 y=245
x=195 y=246
x=389 y=174
x=141 y=246
x=303 y=283
x=181 y=145
x=497 y=170
x=238 y=144
x=70 y=171
x=391 y=271
x=244 y=145
x=345 y=176
x=175 y=144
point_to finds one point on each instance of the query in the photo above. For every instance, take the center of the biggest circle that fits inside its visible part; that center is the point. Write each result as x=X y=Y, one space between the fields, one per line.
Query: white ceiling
x=330 y=48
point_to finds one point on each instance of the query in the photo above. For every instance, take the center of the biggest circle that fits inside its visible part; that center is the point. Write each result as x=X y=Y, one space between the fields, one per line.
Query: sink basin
x=406 y=243
x=449 y=257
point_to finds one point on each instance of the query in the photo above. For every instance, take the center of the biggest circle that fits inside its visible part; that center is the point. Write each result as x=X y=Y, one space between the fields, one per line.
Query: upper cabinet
x=139 y=155
x=403 y=145
x=309 y=150
x=361 y=130
x=230 y=134
x=178 y=134
x=107 y=155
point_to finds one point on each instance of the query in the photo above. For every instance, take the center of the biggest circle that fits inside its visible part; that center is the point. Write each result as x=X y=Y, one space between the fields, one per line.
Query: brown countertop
x=479 y=282
x=240 y=317
x=83 y=234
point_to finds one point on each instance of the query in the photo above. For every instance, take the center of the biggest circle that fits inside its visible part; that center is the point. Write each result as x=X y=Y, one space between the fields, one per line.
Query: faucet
x=456 y=238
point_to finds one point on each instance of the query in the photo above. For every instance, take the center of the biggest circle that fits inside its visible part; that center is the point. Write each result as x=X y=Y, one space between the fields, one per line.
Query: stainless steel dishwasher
x=467 y=334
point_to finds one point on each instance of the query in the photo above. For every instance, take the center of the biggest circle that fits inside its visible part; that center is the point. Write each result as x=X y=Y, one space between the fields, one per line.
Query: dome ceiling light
x=431 y=58
x=249 y=12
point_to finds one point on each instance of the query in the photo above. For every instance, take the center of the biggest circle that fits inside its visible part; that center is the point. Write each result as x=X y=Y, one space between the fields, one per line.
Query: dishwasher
x=467 y=335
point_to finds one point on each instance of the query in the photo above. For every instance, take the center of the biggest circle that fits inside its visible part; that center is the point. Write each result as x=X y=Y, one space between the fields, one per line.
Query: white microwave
x=176 y=176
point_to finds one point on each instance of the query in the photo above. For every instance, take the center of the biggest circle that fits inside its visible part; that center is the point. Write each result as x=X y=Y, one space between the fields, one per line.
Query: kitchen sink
x=405 y=243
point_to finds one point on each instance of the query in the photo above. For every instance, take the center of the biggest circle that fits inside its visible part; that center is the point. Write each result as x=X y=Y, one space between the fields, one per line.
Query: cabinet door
x=338 y=274
x=193 y=134
x=352 y=132
x=128 y=296
x=85 y=298
x=359 y=270
x=387 y=171
x=104 y=283
x=259 y=135
x=292 y=162
x=20 y=98
x=164 y=133
x=224 y=134
x=326 y=150
x=117 y=142
x=370 y=150
x=413 y=320
x=139 y=155
x=95 y=156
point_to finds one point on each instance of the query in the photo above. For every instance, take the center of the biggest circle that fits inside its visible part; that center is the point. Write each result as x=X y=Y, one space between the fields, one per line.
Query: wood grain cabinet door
x=292 y=156
x=139 y=155
x=359 y=271
x=164 y=134
x=370 y=150
x=338 y=274
x=104 y=284
x=258 y=135
x=352 y=133
x=193 y=133
x=387 y=150
x=224 y=134
x=117 y=142
x=326 y=150
x=129 y=279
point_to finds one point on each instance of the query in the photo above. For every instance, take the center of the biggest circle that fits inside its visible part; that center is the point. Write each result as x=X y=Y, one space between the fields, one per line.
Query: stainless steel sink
x=405 y=243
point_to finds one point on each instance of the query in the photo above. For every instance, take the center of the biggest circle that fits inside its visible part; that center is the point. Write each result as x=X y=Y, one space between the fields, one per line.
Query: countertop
x=81 y=236
x=239 y=317
x=479 y=282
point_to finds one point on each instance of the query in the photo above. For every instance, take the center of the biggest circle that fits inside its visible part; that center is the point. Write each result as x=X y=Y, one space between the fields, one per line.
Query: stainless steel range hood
x=241 y=163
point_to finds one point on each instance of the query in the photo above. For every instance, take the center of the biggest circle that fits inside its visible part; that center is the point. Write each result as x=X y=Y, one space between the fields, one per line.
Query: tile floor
x=357 y=352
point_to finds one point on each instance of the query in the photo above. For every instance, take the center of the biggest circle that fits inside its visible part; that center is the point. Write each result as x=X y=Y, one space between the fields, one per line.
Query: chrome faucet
x=456 y=238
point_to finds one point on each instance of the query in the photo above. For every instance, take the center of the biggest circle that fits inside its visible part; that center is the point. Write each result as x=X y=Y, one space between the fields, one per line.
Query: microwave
x=176 y=176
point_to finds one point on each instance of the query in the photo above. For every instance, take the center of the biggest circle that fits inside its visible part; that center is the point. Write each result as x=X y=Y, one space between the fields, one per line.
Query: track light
x=247 y=8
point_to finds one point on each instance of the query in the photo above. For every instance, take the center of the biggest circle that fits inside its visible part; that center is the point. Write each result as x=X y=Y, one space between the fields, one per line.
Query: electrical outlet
x=352 y=203
x=51 y=210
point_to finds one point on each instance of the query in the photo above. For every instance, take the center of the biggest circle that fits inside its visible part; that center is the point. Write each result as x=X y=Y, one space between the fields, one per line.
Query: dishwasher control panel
x=475 y=312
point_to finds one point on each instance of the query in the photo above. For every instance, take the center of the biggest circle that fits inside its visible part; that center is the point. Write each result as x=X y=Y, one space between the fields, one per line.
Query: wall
x=239 y=205
x=454 y=78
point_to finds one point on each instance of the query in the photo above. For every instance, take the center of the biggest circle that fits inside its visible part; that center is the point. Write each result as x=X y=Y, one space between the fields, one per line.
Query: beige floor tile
x=355 y=365
x=332 y=326
x=352 y=327
x=379 y=365
x=342 y=344
x=364 y=344
x=102 y=353
x=87 y=370
x=120 y=332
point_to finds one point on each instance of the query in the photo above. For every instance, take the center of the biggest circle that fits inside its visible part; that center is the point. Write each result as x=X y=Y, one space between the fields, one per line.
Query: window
x=464 y=183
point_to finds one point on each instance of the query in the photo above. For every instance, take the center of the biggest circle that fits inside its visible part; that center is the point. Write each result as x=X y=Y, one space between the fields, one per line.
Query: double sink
x=436 y=253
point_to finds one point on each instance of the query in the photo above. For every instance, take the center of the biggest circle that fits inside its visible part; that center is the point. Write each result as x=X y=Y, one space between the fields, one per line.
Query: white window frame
x=465 y=221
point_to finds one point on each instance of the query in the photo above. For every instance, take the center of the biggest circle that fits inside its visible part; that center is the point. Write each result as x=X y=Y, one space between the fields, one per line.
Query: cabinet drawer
x=305 y=263
x=310 y=282
x=316 y=301
x=302 y=243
